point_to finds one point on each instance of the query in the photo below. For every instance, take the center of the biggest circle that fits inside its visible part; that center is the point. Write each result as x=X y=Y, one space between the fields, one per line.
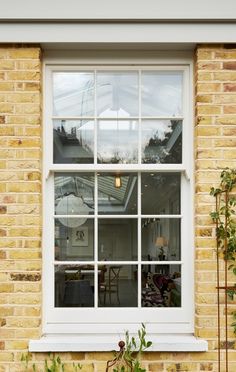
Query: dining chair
x=111 y=284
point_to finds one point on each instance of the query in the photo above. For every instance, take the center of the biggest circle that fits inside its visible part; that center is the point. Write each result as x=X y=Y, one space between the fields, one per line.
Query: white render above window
x=118 y=244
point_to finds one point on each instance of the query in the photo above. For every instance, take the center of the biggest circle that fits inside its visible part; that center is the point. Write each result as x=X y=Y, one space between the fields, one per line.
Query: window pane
x=73 y=94
x=162 y=93
x=117 y=194
x=160 y=193
x=117 y=239
x=74 y=239
x=118 y=141
x=161 y=239
x=161 y=286
x=161 y=141
x=118 y=286
x=117 y=94
x=74 y=193
x=74 y=286
x=73 y=141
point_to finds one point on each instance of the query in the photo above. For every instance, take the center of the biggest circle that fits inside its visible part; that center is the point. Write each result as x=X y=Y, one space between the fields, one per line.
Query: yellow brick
x=24 y=53
x=224 y=76
x=209 y=154
x=209 y=66
x=27 y=311
x=18 y=164
x=16 y=345
x=6 y=287
x=24 y=187
x=7 y=220
x=23 y=98
x=228 y=120
x=27 y=232
x=209 y=87
x=203 y=120
x=225 y=54
x=229 y=154
x=32 y=154
x=22 y=143
x=204 y=54
x=226 y=142
x=7 y=131
x=23 y=75
x=24 y=119
x=208 y=110
x=204 y=98
x=6 y=108
x=30 y=299
x=16 y=322
x=33 y=131
x=202 y=76
x=5 y=86
x=27 y=287
x=32 y=220
x=7 y=65
x=6 y=357
x=225 y=98
x=27 y=109
x=208 y=131
x=231 y=131
x=16 y=255
x=205 y=164
x=2 y=164
x=28 y=65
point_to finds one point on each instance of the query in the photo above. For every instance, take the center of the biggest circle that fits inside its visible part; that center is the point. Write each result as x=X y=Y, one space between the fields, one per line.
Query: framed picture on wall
x=80 y=236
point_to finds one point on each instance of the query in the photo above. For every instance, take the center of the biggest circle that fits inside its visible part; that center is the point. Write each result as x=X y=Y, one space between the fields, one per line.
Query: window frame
x=52 y=321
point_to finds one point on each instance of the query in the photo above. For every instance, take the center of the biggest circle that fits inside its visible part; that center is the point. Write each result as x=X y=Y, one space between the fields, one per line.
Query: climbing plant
x=224 y=217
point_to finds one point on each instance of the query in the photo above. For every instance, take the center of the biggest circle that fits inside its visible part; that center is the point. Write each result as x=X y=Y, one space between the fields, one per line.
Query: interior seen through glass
x=118 y=224
x=121 y=120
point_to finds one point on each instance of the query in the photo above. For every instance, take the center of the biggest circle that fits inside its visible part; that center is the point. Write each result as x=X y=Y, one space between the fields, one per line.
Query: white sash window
x=118 y=241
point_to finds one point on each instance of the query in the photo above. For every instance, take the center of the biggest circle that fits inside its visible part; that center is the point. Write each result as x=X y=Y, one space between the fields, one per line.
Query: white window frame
x=100 y=328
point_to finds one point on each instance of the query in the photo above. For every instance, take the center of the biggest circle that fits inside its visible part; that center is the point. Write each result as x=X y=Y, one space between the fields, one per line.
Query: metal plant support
x=225 y=239
x=120 y=363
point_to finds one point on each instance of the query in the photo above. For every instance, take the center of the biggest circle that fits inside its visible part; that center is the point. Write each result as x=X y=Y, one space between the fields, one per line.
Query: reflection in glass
x=162 y=93
x=117 y=198
x=74 y=286
x=118 y=141
x=117 y=239
x=160 y=193
x=73 y=94
x=117 y=94
x=74 y=193
x=74 y=241
x=117 y=286
x=73 y=141
x=161 y=239
x=162 y=141
x=161 y=286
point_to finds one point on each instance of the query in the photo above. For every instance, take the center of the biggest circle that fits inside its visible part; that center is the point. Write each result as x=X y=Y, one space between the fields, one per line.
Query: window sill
x=175 y=343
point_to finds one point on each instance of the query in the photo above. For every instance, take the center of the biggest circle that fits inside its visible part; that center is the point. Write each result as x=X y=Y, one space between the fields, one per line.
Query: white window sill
x=91 y=342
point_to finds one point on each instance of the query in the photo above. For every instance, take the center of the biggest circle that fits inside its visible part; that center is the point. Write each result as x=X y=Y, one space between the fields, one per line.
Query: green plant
x=53 y=364
x=129 y=358
x=224 y=217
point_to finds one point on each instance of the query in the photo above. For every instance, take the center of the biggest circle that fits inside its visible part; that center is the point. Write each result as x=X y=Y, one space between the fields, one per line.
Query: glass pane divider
x=105 y=118
x=95 y=119
x=155 y=216
x=162 y=263
x=96 y=289
x=131 y=167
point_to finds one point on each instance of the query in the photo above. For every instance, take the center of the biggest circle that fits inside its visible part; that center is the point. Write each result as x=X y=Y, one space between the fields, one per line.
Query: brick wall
x=20 y=206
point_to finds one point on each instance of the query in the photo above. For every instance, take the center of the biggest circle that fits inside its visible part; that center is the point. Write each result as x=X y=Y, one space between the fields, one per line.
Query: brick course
x=20 y=206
